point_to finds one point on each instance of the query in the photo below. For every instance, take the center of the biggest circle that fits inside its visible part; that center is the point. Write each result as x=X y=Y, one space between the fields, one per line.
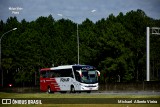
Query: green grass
x=81 y=95
x=68 y=95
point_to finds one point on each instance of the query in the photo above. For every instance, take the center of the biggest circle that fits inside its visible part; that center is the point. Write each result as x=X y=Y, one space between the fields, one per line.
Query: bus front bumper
x=85 y=88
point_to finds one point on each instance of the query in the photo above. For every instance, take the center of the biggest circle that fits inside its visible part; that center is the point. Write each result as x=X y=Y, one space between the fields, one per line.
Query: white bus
x=73 y=78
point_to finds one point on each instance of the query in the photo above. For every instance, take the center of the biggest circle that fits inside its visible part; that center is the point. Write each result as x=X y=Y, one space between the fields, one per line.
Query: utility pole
x=154 y=31
x=1 y=52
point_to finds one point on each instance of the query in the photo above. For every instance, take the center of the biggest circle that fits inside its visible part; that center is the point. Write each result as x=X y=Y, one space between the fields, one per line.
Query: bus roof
x=61 y=67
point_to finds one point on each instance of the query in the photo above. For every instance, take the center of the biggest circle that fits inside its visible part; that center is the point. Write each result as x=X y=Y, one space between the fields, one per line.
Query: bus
x=72 y=78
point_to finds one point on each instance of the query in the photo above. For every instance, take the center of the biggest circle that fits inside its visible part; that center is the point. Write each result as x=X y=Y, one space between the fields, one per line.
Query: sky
x=75 y=10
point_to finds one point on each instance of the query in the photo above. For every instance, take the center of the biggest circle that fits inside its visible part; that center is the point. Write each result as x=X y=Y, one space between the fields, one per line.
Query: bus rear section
x=71 y=78
x=55 y=79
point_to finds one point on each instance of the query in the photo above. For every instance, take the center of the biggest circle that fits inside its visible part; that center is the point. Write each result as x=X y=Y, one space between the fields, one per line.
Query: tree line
x=115 y=45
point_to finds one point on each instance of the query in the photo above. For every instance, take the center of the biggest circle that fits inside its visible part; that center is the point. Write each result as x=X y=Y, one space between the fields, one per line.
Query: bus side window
x=52 y=75
x=43 y=74
x=47 y=74
x=71 y=75
x=55 y=73
x=77 y=76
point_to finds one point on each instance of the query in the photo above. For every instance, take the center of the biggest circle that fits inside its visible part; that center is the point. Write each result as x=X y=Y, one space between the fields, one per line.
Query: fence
x=135 y=86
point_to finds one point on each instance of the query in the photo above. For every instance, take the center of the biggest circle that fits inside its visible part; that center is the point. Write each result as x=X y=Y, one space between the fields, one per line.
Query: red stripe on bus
x=55 y=85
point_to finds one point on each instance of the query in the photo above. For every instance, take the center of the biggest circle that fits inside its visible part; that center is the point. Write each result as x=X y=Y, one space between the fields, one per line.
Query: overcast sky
x=76 y=10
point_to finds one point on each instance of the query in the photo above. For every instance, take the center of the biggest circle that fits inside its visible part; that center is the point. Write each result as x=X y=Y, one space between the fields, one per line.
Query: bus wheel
x=49 y=90
x=88 y=91
x=72 y=89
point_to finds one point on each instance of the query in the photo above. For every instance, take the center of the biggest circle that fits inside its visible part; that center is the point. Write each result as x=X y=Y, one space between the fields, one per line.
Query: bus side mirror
x=80 y=73
x=98 y=73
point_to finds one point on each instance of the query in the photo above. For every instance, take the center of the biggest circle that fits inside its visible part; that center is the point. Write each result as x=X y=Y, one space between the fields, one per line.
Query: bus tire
x=88 y=91
x=49 y=90
x=72 y=89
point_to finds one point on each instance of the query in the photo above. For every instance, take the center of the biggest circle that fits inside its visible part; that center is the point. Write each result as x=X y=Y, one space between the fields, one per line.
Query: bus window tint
x=47 y=74
x=77 y=76
x=92 y=74
x=61 y=73
x=43 y=74
x=89 y=76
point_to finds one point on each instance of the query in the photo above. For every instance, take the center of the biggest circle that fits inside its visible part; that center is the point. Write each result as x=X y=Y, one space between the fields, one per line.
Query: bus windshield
x=89 y=76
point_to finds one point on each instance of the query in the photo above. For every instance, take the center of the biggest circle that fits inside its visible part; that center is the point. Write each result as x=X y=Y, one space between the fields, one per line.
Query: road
x=128 y=92
x=155 y=93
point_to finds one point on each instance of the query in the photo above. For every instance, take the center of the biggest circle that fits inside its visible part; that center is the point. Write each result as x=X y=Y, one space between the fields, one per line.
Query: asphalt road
x=156 y=93
x=128 y=92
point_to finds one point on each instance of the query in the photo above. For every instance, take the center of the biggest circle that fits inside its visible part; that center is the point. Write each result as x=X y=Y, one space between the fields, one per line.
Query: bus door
x=43 y=81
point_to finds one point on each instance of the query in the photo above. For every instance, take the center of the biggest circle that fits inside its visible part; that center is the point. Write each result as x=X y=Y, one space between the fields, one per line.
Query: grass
x=82 y=95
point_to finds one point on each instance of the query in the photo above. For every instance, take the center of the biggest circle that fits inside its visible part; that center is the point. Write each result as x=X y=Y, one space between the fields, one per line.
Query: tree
x=116 y=45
